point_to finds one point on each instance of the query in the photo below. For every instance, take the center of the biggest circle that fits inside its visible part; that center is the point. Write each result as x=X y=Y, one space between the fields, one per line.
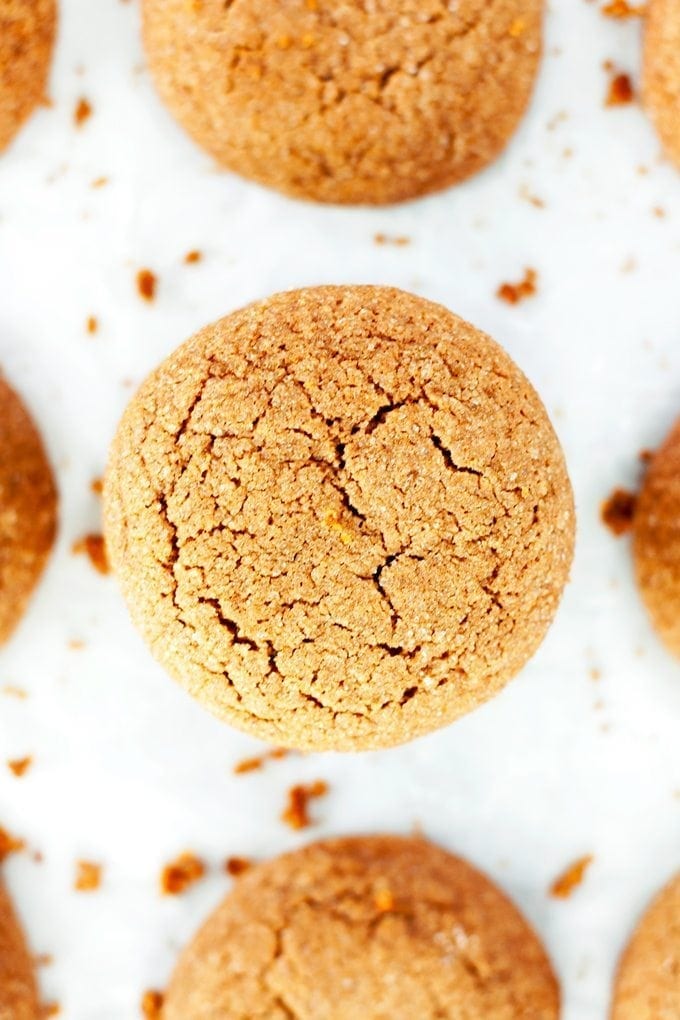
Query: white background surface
x=127 y=769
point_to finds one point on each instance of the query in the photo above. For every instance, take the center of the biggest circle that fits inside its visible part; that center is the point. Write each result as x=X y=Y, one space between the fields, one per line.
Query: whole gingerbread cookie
x=347 y=102
x=648 y=982
x=369 y=927
x=18 y=993
x=27 y=30
x=340 y=517
x=28 y=509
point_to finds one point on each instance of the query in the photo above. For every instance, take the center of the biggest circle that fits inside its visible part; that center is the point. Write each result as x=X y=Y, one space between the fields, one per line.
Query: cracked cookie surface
x=377 y=927
x=662 y=72
x=340 y=517
x=352 y=101
x=18 y=993
x=28 y=509
x=648 y=982
x=27 y=30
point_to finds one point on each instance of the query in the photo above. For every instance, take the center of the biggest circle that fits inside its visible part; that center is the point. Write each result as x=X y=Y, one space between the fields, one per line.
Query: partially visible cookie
x=371 y=927
x=18 y=993
x=656 y=541
x=27 y=30
x=28 y=509
x=349 y=102
x=340 y=517
x=662 y=72
x=648 y=982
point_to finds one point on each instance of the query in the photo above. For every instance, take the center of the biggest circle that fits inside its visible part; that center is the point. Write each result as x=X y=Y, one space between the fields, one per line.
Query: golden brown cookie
x=648 y=982
x=340 y=517
x=347 y=102
x=377 y=927
x=18 y=993
x=27 y=30
x=28 y=509
x=656 y=541
x=662 y=72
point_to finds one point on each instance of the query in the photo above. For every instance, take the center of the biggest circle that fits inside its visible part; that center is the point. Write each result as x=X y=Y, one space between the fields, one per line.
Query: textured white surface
x=127 y=769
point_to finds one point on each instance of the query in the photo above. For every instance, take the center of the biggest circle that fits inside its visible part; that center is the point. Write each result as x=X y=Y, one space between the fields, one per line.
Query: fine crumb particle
x=94 y=548
x=296 y=814
x=10 y=691
x=595 y=674
x=235 y=866
x=83 y=111
x=88 y=876
x=99 y=182
x=151 y=1004
x=76 y=644
x=620 y=91
x=97 y=486
x=526 y=194
x=20 y=766
x=623 y=9
x=256 y=763
x=192 y=257
x=617 y=512
x=571 y=879
x=659 y=212
x=9 y=844
x=146 y=284
x=181 y=873
x=92 y=324
x=399 y=241
x=513 y=293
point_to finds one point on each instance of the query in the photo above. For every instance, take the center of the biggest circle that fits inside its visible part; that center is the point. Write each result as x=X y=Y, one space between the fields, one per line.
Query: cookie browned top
x=28 y=509
x=662 y=72
x=18 y=994
x=656 y=541
x=378 y=927
x=26 y=36
x=648 y=982
x=352 y=101
x=341 y=517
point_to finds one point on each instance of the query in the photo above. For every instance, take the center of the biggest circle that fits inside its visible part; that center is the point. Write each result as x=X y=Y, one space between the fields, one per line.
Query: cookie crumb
x=623 y=9
x=399 y=241
x=181 y=873
x=235 y=866
x=256 y=763
x=83 y=111
x=571 y=879
x=97 y=486
x=20 y=766
x=513 y=293
x=92 y=324
x=620 y=91
x=146 y=284
x=618 y=511
x=88 y=876
x=94 y=548
x=76 y=644
x=192 y=257
x=9 y=844
x=152 y=1004
x=296 y=814
x=14 y=692
x=99 y=182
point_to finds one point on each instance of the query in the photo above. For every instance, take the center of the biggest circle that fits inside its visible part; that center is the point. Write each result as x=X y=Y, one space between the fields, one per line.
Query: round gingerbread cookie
x=27 y=30
x=648 y=982
x=656 y=541
x=662 y=72
x=347 y=102
x=28 y=509
x=18 y=993
x=372 y=927
x=340 y=517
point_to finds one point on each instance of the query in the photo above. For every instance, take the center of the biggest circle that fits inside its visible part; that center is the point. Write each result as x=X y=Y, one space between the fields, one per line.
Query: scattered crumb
x=296 y=814
x=180 y=874
x=595 y=674
x=99 y=182
x=97 y=486
x=14 y=692
x=151 y=1005
x=9 y=844
x=254 y=764
x=617 y=512
x=571 y=879
x=146 y=284
x=620 y=91
x=526 y=194
x=76 y=644
x=624 y=9
x=659 y=212
x=83 y=111
x=235 y=866
x=513 y=293
x=192 y=257
x=94 y=548
x=92 y=324
x=88 y=876
x=20 y=766
x=397 y=241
